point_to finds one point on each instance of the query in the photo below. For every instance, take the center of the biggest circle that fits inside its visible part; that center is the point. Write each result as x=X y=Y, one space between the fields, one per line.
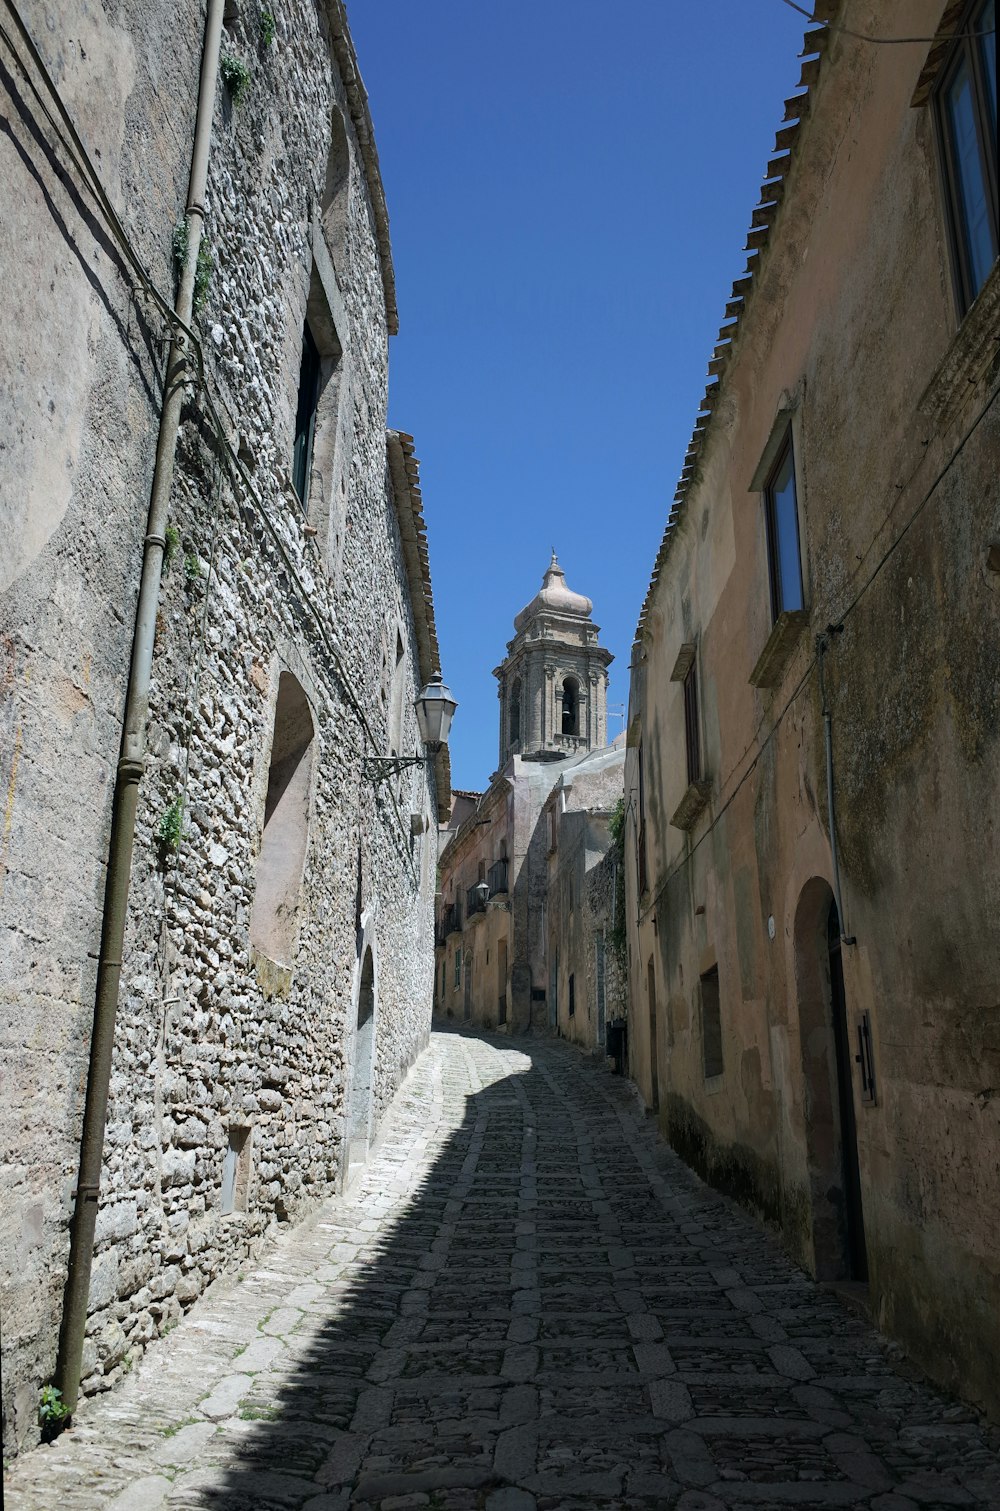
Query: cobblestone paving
x=526 y=1303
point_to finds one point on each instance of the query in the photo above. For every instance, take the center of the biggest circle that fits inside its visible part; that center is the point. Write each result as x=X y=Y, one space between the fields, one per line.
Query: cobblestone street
x=525 y=1302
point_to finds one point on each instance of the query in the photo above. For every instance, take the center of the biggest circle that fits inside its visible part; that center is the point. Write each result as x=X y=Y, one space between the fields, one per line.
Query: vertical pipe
x=131 y=761
x=822 y=644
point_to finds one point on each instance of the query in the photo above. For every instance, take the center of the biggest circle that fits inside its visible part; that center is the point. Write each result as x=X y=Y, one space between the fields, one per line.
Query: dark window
x=967 y=121
x=691 y=724
x=458 y=967
x=572 y=996
x=711 y=1024
x=782 y=522
x=305 y=414
x=515 y=712
x=571 y=707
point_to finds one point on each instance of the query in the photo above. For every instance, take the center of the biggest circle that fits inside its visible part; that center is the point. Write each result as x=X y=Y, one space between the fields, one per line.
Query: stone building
x=586 y=985
x=276 y=967
x=496 y=964
x=813 y=983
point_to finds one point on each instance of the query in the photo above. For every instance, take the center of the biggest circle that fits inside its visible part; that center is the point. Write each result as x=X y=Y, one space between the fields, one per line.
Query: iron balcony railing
x=497 y=877
x=451 y=921
x=473 y=903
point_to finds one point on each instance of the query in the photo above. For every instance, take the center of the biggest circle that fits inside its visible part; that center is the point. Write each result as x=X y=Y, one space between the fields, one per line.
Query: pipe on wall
x=131 y=761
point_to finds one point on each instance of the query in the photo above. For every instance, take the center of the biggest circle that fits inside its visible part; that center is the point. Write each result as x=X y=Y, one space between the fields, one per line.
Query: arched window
x=515 y=712
x=571 y=707
x=274 y=916
x=336 y=190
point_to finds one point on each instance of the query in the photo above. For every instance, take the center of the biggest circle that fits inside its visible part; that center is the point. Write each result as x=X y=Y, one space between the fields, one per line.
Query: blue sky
x=569 y=188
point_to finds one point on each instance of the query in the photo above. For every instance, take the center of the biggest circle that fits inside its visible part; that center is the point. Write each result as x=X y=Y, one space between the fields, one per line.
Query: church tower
x=553 y=682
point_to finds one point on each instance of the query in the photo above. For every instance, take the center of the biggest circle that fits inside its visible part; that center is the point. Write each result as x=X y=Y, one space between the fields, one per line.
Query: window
x=572 y=995
x=711 y=1024
x=458 y=969
x=781 y=517
x=515 y=712
x=305 y=414
x=274 y=915
x=571 y=707
x=317 y=454
x=396 y=697
x=692 y=738
x=967 y=114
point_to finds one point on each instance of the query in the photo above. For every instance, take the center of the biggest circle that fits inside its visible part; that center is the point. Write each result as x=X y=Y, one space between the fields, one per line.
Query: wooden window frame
x=966 y=48
x=785 y=452
x=310 y=387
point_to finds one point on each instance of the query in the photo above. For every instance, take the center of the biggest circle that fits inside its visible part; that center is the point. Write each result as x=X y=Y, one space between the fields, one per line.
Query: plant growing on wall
x=170 y=830
x=192 y=567
x=171 y=545
x=203 y=267
x=53 y=1413
x=236 y=77
x=267 y=28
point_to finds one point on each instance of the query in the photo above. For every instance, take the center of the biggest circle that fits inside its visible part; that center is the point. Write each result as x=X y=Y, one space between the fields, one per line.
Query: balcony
x=497 y=877
x=473 y=904
x=451 y=922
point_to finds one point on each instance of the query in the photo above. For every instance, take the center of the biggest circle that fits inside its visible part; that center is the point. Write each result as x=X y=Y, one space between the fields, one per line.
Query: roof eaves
x=787 y=138
x=404 y=476
x=357 y=99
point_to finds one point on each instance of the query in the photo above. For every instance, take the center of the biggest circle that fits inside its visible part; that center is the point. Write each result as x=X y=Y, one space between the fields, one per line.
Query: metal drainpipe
x=822 y=646
x=131 y=761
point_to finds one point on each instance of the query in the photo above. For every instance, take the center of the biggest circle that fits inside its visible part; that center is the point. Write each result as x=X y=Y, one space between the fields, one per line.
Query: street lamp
x=482 y=891
x=435 y=709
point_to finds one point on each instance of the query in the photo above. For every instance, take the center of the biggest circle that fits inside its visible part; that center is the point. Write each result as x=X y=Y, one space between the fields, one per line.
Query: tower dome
x=554 y=597
x=553 y=681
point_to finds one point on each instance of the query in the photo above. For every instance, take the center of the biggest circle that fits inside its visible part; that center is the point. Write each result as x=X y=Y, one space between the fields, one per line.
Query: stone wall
x=736 y=1011
x=213 y=1039
x=605 y=904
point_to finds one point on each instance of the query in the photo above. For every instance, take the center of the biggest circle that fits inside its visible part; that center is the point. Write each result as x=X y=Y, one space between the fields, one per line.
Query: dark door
x=654 y=1074
x=501 y=982
x=857 y=1258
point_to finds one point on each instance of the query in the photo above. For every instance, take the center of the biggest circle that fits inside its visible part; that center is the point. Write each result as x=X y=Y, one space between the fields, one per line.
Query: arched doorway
x=467 y=1001
x=359 y=1111
x=838 y=1231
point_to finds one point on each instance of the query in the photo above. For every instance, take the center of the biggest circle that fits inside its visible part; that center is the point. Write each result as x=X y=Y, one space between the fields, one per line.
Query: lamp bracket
x=379 y=767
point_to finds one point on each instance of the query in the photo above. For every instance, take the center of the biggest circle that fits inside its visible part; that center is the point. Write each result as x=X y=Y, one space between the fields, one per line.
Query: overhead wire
x=861 y=36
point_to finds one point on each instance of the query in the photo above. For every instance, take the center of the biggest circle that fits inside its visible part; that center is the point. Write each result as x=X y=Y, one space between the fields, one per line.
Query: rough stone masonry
x=295 y=625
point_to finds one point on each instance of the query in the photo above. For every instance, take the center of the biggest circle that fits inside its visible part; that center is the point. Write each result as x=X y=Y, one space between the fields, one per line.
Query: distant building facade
x=276 y=973
x=585 y=948
x=813 y=988
x=498 y=938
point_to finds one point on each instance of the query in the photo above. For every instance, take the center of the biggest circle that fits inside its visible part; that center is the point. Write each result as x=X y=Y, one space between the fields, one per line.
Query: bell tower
x=553 y=682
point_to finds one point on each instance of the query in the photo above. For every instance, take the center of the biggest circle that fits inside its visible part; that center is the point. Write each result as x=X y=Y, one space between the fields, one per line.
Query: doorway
x=854 y=1222
x=467 y=1006
x=501 y=982
x=359 y=1112
x=838 y=1232
x=654 y=1075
